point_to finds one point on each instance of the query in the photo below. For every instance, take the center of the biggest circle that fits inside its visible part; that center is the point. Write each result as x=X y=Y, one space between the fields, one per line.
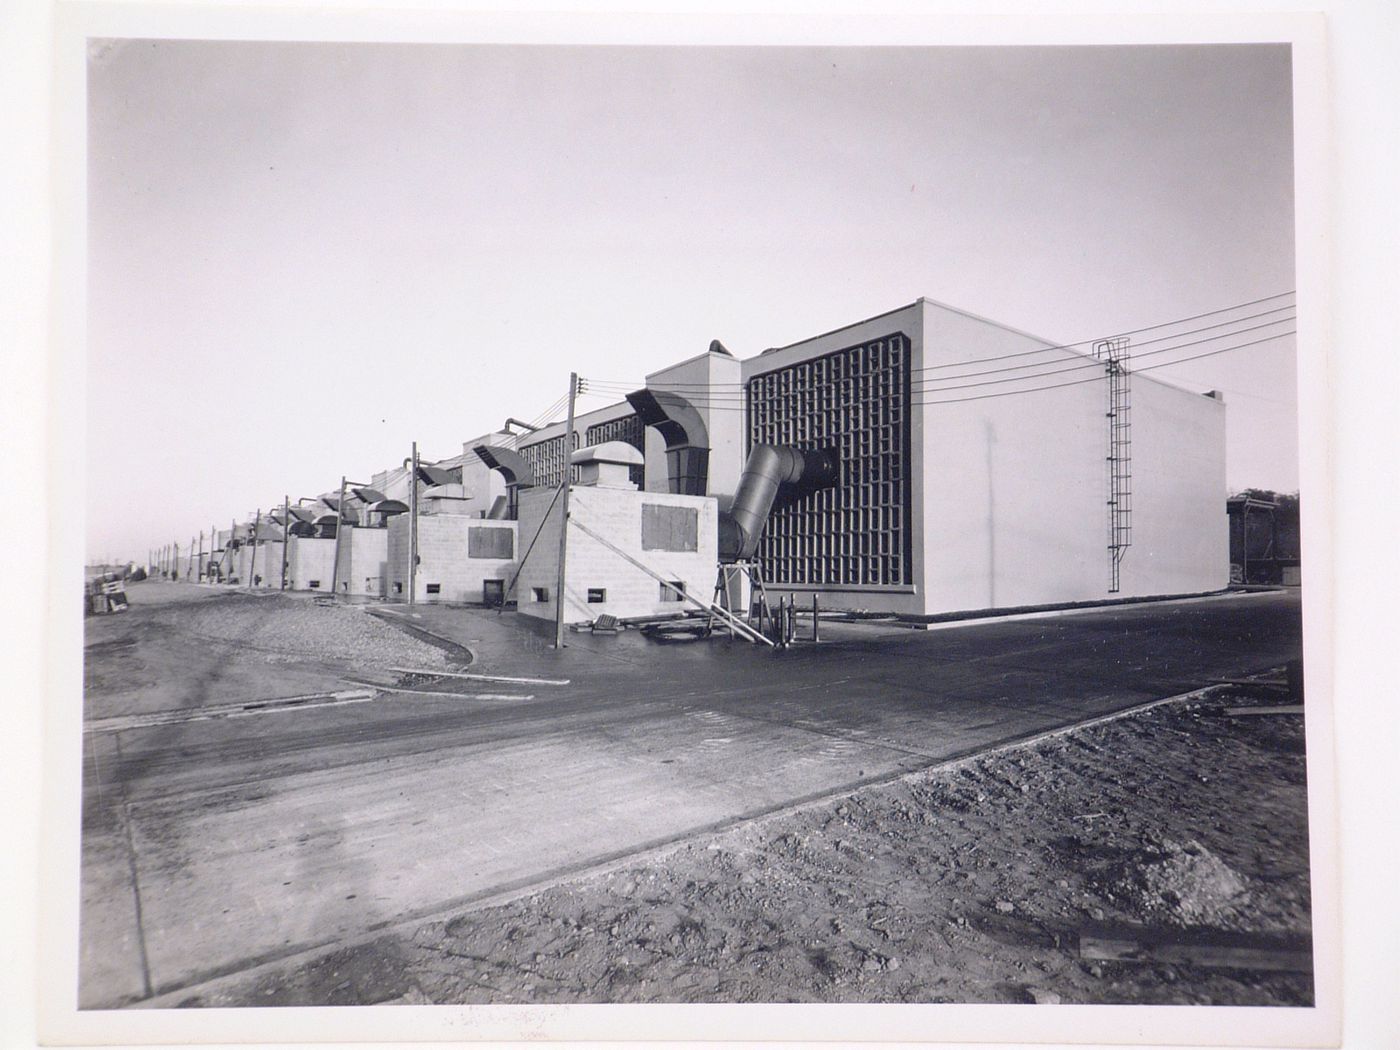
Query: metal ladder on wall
x=1115 y=353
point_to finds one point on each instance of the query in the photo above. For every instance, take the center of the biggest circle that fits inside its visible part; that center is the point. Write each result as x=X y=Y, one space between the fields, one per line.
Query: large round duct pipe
x=769 y=468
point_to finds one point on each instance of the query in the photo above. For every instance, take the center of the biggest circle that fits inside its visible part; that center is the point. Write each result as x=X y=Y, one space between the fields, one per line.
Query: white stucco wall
x=724 y=425
x=1015 y=500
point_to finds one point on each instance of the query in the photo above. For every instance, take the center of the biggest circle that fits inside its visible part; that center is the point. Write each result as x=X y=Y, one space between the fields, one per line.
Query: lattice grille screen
x=857 y=401
x=546 y=459
x=628 y=429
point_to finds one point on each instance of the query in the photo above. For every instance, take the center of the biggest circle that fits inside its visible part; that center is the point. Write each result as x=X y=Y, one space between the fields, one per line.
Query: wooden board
x=1216 y=949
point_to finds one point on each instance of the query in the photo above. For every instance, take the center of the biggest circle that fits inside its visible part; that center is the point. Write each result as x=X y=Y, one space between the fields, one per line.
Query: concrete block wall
x=615 y=514
x=310 y=559
x=364 y=562
x=260 y=566
x=444 y=560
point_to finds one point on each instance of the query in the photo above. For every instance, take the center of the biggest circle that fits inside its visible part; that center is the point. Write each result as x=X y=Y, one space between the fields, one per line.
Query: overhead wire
x=1060 y=347
x=1096 y=363
x=740 y=387
x=729 y=406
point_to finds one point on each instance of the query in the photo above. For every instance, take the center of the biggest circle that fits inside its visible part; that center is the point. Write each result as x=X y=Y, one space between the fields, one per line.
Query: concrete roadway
x=211 y=846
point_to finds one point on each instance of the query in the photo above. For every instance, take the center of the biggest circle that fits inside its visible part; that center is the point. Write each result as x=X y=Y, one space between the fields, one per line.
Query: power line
x=742 y=387
x=726 y=398
x=734 y=407
x=680 y=387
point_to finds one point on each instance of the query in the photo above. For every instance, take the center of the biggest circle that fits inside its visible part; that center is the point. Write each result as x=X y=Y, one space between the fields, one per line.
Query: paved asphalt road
x=209 y=846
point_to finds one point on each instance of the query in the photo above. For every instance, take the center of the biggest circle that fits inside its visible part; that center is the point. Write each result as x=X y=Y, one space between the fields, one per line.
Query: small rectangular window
x=315 y=584
x=597 y=594
x=398 y=588
x=434 y=588
x=668 y=591
x=539 y=594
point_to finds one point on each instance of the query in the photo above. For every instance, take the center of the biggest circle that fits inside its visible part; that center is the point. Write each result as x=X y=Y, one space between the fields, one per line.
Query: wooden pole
x=253 y=552
x=565 y=485
x=200 y=563
x=816 y=619
x=339 y=528
x=413 y=530
x=286 y=527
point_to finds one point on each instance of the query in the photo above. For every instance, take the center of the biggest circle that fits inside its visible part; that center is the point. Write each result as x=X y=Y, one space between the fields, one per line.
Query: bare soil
x=969 y=883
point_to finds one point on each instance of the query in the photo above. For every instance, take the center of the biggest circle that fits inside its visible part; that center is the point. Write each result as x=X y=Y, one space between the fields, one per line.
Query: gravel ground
x=182 y=647
x=966 y=884
x=287 y=628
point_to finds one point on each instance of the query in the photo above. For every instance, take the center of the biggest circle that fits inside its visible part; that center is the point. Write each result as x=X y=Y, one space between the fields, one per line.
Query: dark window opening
x=539 y=594
x=669 y=591
x=597 y=594
x=398 y=587
x=434 y=588
x=315 y=584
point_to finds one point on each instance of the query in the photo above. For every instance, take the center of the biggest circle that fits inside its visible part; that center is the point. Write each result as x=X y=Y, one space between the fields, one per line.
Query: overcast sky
x=303 y=257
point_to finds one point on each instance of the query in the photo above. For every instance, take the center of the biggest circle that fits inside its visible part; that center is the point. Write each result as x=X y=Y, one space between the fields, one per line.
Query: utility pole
x=232 y=532
x=200 y=563
x=253 y=550
x=189 y=562
x=565 y=484
x=175 y=561
x=413 y=530
x=286 y=526
x=339 y=526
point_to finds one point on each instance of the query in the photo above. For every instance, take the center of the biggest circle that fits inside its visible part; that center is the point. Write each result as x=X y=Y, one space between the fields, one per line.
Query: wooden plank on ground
x=1213 y=949
x=481 y=677
x=1262 y=709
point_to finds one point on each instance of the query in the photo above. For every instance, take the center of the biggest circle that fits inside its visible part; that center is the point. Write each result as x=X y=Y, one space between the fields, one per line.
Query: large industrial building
x=920 y=462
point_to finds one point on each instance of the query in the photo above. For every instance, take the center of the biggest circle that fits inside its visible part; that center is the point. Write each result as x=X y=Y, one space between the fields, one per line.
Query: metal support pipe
x=816 y=619
x=566 y=483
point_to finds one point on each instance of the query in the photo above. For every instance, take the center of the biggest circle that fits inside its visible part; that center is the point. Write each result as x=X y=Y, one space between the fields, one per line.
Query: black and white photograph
x=624 y=520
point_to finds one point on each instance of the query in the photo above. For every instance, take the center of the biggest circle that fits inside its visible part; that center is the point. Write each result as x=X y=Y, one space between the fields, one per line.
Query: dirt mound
x=1192 y=886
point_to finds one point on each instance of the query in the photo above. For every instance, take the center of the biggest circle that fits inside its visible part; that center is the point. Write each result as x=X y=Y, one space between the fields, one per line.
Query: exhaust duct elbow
x=769 y=469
